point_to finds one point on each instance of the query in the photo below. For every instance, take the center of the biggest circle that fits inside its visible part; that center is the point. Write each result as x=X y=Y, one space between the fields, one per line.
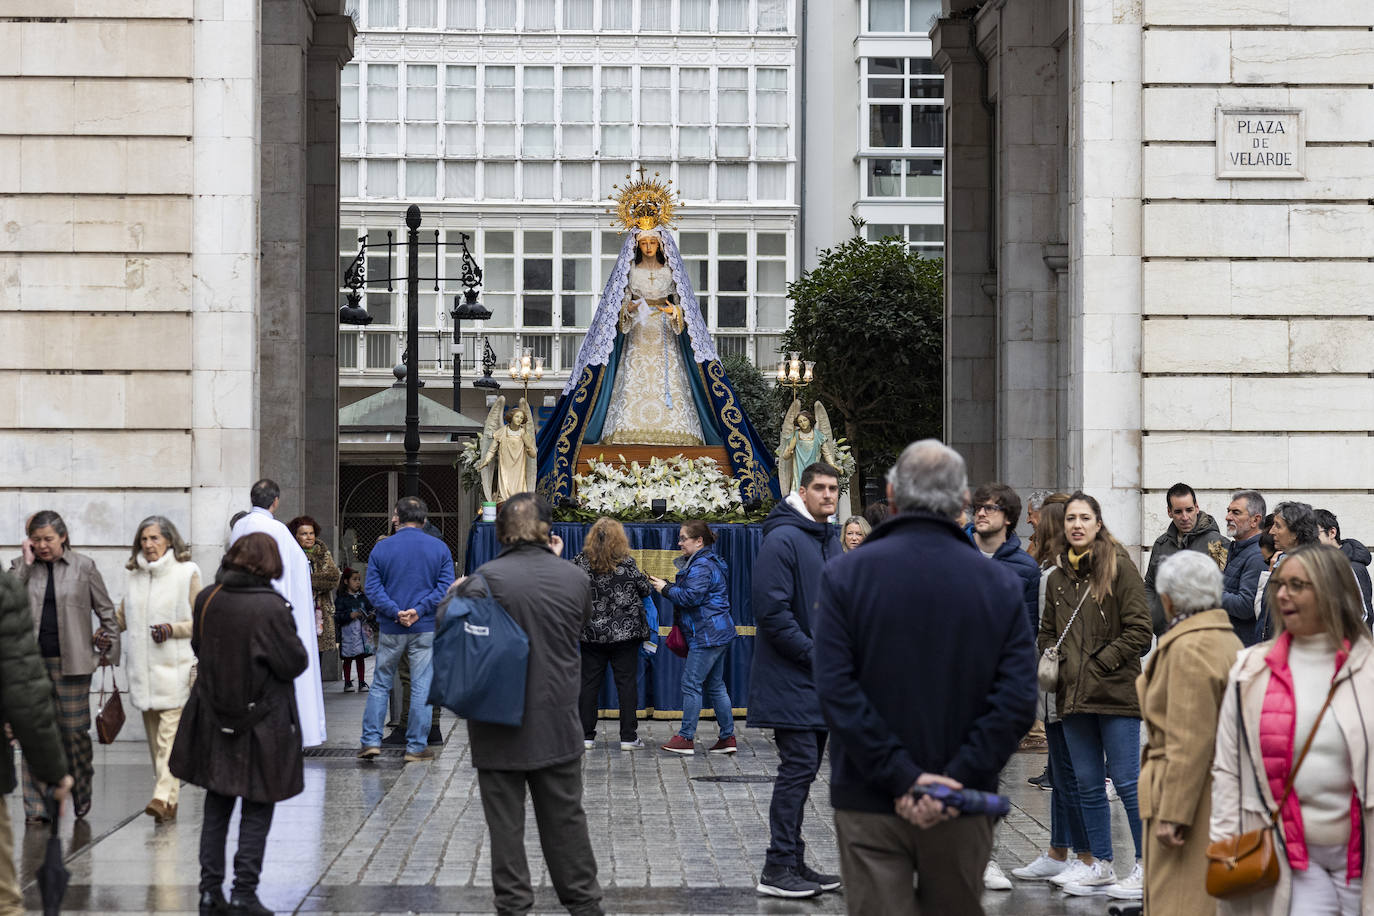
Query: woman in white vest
x=156 y=613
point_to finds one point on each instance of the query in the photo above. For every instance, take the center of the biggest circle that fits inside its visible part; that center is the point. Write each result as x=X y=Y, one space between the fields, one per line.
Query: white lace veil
x=600 y=341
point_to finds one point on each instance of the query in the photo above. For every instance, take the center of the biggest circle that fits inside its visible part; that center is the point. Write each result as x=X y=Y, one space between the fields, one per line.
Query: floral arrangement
x=466 y=463
x=692 y=488
x=844 y=461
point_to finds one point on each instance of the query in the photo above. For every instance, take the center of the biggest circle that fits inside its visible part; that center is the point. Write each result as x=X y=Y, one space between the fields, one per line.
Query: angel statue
x=508 y=452
x=806 y=439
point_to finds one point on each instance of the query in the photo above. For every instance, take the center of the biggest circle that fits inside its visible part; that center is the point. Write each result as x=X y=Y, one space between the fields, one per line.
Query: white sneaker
x=1096 y=880
x=993 y=879
x=1111 y=792
x=1043 y=867
x=635 y=745
x=1131 y=887
x=1076 y=869
x=587 y=744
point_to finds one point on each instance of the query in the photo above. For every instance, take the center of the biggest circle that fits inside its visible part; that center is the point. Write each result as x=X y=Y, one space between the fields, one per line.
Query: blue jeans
x=1066 y=815
x=1090 y=738
x=419 y=648
x=704 y=674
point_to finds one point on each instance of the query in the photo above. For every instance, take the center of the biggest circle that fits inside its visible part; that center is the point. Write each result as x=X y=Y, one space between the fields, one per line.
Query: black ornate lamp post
x=468 y=307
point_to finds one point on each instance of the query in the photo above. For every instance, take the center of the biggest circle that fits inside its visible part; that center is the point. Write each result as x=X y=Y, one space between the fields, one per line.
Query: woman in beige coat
x=1181 y=692
x=1316 y=608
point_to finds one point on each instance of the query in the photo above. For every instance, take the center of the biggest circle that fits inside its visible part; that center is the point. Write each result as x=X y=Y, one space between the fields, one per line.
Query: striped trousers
x=73 y=695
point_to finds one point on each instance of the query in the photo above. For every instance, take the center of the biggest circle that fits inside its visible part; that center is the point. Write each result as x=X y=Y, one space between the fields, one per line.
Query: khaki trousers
x=11 y=903
x=161 y=726
x=880 y=854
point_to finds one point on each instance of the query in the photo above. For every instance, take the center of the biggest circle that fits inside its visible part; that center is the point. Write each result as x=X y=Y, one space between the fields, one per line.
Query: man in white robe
x=294 y=586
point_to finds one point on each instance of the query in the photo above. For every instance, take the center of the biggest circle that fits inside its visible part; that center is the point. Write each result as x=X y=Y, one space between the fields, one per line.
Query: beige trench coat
x=1239 y=806
x=80 y=591
x=1181 y=692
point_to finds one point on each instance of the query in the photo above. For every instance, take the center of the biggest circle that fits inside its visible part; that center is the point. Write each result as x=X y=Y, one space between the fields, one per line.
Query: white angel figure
x=806 y=439
x=508 y=452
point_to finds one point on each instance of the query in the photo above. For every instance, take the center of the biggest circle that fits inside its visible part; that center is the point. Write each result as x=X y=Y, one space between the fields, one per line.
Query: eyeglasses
x=988 y=508
x=1294 y=586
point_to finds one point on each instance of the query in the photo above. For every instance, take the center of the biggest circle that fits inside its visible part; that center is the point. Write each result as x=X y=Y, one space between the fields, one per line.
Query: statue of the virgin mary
x=648 y=372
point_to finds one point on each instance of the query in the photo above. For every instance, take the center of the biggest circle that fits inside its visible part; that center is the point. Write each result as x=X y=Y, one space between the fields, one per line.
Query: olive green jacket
x=26 y=694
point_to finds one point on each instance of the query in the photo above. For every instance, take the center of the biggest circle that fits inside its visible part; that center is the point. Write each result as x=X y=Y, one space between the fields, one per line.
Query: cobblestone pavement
x=671 y=834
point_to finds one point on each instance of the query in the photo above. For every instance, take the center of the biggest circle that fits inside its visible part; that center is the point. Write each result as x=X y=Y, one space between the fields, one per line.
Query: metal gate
x=368 y=494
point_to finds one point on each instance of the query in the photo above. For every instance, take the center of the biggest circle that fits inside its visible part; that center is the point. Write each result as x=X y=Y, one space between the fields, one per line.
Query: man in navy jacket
x=925 y=668
x=407 y=576
x=797 y=541
x=1244 y=564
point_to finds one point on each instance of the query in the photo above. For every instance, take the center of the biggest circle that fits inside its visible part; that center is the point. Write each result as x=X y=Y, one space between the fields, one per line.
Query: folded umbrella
x=52 y=875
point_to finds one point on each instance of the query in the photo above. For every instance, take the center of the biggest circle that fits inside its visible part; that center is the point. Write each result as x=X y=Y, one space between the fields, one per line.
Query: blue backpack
x=480 y=656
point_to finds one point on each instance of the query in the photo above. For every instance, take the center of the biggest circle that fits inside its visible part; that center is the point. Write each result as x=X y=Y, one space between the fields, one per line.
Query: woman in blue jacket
x=703 y=613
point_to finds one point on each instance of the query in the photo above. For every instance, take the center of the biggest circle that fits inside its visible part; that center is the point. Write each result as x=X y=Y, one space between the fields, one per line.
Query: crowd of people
x=1218 y=694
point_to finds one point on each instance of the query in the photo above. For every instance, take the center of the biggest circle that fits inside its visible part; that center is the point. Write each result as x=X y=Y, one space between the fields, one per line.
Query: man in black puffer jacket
x=28 y=705
x=797 y=542
x=1329 y=531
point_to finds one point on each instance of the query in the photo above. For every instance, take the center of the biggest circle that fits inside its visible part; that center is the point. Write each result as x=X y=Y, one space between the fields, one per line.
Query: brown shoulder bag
x=1247 y=863
x=109 y=717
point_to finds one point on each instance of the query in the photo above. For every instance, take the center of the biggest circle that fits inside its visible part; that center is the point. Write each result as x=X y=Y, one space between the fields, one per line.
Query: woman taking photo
x=1181 y=694
x=156 y=614
x=65 y=589
x=699 y=594
x=616 y=629
x=1308 y=688
x=1096 y=612
x=855 y=531
x=324 y=576
x=240 y=735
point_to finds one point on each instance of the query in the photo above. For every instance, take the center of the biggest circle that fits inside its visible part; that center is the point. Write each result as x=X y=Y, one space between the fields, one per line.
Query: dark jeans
x=1067 y=830
x=255 y=821
x=1090 y=738
x=623 y=657
x=881 y=853
x=799 y=759
x=557 y=795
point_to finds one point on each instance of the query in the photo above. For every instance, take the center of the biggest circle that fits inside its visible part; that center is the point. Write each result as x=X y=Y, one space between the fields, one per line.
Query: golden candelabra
x=795 y=372
x=526 y=366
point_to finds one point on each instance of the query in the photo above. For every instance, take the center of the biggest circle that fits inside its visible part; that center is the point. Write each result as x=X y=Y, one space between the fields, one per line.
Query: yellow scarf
x=1075 y=557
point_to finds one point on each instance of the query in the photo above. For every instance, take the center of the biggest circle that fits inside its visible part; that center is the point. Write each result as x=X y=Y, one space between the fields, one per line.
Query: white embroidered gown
x=651 y=401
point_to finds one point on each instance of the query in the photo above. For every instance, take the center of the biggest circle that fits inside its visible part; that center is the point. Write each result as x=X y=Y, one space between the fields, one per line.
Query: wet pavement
x=672 y=835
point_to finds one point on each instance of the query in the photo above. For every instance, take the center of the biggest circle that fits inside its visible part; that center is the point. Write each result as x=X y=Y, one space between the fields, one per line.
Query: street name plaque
x=1261 y=143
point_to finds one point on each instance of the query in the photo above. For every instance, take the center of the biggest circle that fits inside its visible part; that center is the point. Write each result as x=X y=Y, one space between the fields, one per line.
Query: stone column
x=970 y=310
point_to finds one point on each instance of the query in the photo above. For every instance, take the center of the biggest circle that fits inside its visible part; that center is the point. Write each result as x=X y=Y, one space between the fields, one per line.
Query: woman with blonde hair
x=615 y=630
x=156 y=614
x=855 y=531
x=1293 y=741
x=1096 y=613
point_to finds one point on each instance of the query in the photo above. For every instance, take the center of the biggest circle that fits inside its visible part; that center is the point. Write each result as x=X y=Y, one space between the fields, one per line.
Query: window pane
x=500 y=242
x=771 y=276
x=655 y=106
x=884 y=177
x=349 y=138
x=886 y=15
x=733 y=141
x=926 y=89
x=772 y=312
x=348 y=179
x=655 y=15
x=734 y=96
x=884 y=88
x=922 y=12
x=773 y=15
x=381 y=92
x=539 y=313
x=381 y=178
x=538 y=273
x=577 y=14
x=461 y=140
x=577 y=141
x=694 y=96
x=421 y=98
x=693 y=243
x=421 y=140
x=461 y=14
x=771 y=98
x=538 y=142
x=539 y=15
x=577 y=94
x=694 y=181
x=615 y=14
x=538 y=94
x=421 y=180
x=502 y=309
x=576 y=183
x=615 y=94
x=380 y=350
x=694 y=142
x=694 y=15
x=460 y=103
x=612 y=173
x=500 y=14
x=348 y=350
x=926 y=233
x=885 y=125
x=772 y=182
x=577 y=243
x=422 y=14
x=499 y=96
x=880 y=66
x=615 y=141
x=611 y=242
x=379 y=306
x=733 y=243
x=499 y=180
x=500 y=140
x=927 y=127
x=499 y=274
x=460 y=180
x=654 y=141
x=732 y=312
x=383 y=14
x=382 y=138
x=772 y=141
x=539 y=242
x=537 y=178
x=772 y=243
x=733 y=16
x=925 y=177
x=577 y=273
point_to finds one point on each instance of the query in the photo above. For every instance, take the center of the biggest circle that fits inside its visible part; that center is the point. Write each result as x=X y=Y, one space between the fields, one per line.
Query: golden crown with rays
x=646 y=203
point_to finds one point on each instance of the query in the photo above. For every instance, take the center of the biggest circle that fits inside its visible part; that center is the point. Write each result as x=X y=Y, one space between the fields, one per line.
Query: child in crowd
x=354 y=619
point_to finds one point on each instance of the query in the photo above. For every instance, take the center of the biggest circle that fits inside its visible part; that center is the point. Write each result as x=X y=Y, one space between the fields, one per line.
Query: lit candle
x=782 y=371
x=539 y=367
x=810 y=364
